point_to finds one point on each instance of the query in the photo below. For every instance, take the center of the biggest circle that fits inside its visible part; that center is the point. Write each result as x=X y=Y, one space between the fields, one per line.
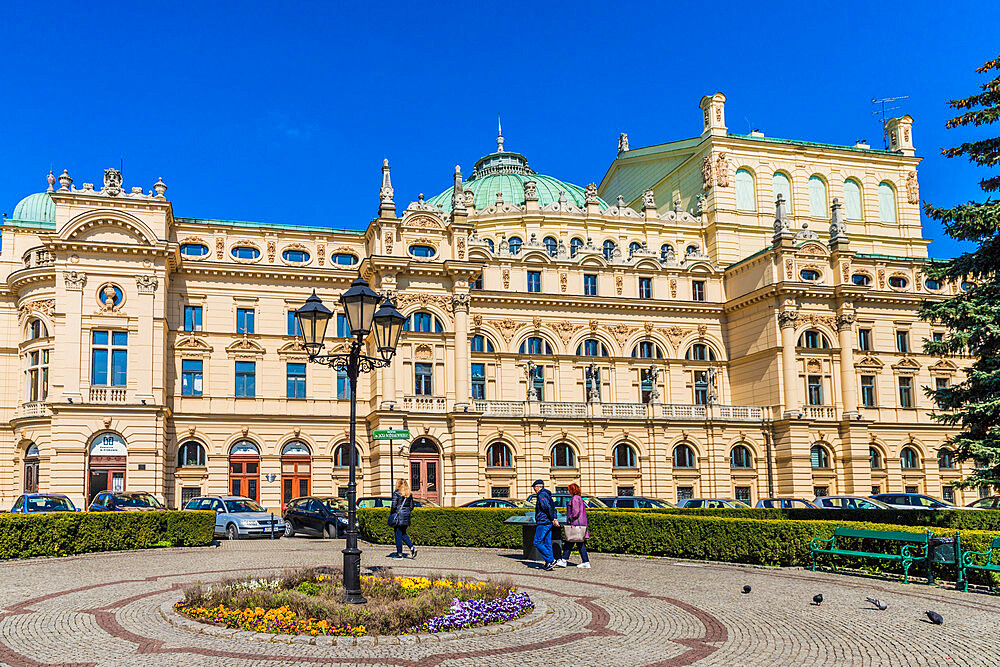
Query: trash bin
x=942 y=550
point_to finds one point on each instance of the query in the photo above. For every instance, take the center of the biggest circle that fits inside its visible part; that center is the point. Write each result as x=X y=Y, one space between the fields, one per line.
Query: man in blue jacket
x=545 y=519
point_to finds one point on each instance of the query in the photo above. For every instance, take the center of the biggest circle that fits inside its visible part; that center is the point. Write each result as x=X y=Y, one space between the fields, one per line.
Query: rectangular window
x=593 y=385
x=342 y=331
x=192 y=318
x=876 y=489
x=742 y=494
x=948 y=494
x=701 y=387
x=109 y=358
x=476 y=283
x=645 y=386
x=293 y=324
x=868 y=391
x=500 y=492
x=905 y=392
x=343 y=386
x=821 y=491
x=295 y=380
x=564 y=490
x=912 y=489
x=38 y=375
x=539 y=383
x=940 y=383
x=645 y=288
x=937 y=336
x=479 y=382
x=191 y=377
x=244 y=320
x=685 y=493
x=626 y=491
x=189 y=493
x=422 y=374
x=697 y=290
x=814 y=386
x=864 y=339
x=534 y=281
x=902 y=340
x=246 y=374
x=590 y=284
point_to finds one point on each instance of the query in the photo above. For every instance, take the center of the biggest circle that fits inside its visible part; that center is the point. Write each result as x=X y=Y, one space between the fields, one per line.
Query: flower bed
x=309 y=602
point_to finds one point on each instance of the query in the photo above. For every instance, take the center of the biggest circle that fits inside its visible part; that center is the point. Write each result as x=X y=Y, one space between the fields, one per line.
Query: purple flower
x=475 y=613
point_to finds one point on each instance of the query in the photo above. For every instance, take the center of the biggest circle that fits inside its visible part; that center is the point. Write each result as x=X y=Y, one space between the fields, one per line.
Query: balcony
x=679 y=411
x=108 y=395
x=626 y=410
x=553 y=409
x=37 y=257
x=820 y=412
x=33 y=409
x=500 y=408
x=425 y=404
x=667 y=411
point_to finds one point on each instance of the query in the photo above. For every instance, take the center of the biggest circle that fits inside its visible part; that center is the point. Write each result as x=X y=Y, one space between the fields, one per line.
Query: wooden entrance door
x=294 y=477
x=425 y=470
x=244 y=476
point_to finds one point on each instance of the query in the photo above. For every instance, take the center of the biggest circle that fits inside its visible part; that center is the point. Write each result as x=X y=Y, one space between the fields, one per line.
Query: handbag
x=392 y=520
x=574 y=533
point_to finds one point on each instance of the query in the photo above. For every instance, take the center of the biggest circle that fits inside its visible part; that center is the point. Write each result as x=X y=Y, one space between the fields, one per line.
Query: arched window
x=194 y=249
x=746 y=199
x=609 y=249
x=813 y=339
x=551 y=246
x=633 y=246
x=342 y=456
x=422 y=322
x=295 y=256
x=817 y=197
x=423 y=446
x=946 y=459
x=535 y=345
x=480 y=343
x=810 y=275
x=422 y=251
x=874 y=458
x=191 y=455
x=691 y=250
x=574 y=246
x=346 y=259
x=899 y=282
x=852 y=200
x=700 y=352
x=909 y=459
x=932 y=284
x=861 y=279
x=37 y=329
x=591 y=348
x=563 y=456
x=819 y=457
x=740 y=457
x=624 y=456
x=886 y=202
x=782 y=186
x=498 y=456
x=245 y=252
x=295 y=448
x=666 y=250
x=647 y=349
x=244 y=448
x=514 y=243
x=490 y=244
x=683 y=456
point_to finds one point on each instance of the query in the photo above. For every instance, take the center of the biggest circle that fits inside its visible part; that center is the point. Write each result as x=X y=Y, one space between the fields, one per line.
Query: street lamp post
x=359 y=304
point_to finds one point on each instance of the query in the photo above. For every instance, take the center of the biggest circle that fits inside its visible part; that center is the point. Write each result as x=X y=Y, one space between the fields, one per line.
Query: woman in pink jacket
x=576 y=515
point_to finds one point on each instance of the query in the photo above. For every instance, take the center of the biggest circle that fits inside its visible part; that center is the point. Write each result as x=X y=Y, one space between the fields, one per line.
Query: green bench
x=968 y=562
x=914 y=547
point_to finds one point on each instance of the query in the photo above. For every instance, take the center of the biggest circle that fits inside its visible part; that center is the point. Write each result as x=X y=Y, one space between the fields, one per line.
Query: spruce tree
x=972 y=317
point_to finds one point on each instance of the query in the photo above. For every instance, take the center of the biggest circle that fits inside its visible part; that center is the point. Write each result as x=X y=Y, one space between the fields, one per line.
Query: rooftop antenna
x=881 y=101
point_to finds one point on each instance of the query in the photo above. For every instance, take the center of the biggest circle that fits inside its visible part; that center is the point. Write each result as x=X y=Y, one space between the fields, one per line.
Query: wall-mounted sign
x=391 y=434
x=108 y=444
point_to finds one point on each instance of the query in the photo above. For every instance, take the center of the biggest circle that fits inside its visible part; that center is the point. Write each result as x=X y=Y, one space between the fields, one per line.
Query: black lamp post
x=359 y=303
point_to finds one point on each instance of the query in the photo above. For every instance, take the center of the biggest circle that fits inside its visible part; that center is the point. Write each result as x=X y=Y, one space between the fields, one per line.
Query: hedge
x=988 y=520
x=66 y=533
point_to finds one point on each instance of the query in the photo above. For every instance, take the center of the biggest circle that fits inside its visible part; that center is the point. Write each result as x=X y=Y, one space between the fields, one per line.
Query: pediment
x=292 y=347
x=813 y=248
x=944 y=366
x=908 y=363
x=868 y=361
x=193 y=343
x=245 y=346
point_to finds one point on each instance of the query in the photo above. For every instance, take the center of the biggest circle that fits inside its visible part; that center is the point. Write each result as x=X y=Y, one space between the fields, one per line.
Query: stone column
x=848 y=385
x=460 y=303
x=789 y=371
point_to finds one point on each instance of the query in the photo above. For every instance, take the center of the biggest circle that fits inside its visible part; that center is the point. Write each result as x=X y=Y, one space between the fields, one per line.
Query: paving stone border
x=174 y=617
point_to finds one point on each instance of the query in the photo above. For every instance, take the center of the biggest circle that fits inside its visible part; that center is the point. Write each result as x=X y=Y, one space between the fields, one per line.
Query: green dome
x=38 y=207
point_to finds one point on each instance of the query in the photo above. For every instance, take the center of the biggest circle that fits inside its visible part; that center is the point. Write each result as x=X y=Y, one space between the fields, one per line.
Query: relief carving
x=618 y=284
x=320 y=254
x=621 y=332
x=507 y=327
x=270 y=251
x=461 y=248
x=566 y=330
x=562 y=282
x=786 y=318
x=220 y=247
x=722 y=170
x=506 y=278
x=75 y=280
x=423 y=352
x=707 y=175
x=388 y=243
x=912 y=188
x=673 y=288
x=146 y=284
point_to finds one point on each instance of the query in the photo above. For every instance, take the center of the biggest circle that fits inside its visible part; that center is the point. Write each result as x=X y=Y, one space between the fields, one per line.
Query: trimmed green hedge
x=954 y=519
x=66 y=533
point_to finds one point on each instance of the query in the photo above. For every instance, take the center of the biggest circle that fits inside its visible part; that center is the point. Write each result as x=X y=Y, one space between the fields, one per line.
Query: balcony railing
x=108 y=395
x=820 y=412
x=679 y=411
x=425 y=403
x=500 y=408
x=553 y=409
x=672 y=411
x=625 y=410
x=37 y=257
x=33 y=409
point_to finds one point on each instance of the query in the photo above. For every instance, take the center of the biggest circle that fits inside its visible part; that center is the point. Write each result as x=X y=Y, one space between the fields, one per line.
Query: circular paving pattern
x=115 y=609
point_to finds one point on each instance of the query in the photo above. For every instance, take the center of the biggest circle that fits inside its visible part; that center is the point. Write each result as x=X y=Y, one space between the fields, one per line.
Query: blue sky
x=284 y=112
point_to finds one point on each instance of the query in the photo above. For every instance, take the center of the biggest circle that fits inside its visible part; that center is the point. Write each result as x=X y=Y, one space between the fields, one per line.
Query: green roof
x=795 y=142
x=511 y=187
x=38 y=207
x=267 y=225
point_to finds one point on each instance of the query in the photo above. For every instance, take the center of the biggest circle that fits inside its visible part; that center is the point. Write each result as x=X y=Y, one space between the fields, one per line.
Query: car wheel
x=332 y=532
x=289 y=529
x=231 y=532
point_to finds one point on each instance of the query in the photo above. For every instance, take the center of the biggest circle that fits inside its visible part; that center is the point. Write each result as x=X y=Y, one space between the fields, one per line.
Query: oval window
x=194 y=249
x=897 y=282
x=245 y=252
x=421 y=251
x=809 y=275
x=932 y=284
x=861 y=279
x=297 y=256
x=966 y=286
x=344 y=259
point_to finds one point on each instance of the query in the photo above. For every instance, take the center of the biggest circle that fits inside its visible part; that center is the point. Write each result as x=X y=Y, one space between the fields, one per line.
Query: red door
x=294 y=477
x=244 y=476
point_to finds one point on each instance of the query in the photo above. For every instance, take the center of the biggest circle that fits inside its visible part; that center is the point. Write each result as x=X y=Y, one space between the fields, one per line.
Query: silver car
x=237 y=517
x=850 y=503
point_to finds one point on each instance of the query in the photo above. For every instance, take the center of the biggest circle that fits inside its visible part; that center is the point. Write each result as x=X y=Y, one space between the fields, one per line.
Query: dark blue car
x=30 y=503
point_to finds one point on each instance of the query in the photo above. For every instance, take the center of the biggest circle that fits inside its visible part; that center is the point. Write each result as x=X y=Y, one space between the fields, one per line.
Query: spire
x=458 y=193
x=385 y=193
x=499 y=135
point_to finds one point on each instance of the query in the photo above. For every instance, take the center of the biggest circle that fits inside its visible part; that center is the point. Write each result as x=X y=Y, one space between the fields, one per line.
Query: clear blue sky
x=282 y=112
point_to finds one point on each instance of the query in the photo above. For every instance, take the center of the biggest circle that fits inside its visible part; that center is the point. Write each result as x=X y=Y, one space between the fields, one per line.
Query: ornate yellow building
x=726 y=315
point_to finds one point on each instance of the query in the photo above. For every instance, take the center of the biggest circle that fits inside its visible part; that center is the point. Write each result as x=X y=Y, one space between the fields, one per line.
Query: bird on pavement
x=818 y=599
x=881 y=606
x=935 y=617
x=746 y=589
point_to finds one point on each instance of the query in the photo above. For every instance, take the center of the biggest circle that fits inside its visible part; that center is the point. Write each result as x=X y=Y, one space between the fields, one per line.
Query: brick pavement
x=109 y=609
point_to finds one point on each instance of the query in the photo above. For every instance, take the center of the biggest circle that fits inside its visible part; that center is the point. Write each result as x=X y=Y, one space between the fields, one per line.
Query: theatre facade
x=720 y=316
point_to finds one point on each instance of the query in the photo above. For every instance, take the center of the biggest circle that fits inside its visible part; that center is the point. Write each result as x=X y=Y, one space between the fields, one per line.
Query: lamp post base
x=352 y=575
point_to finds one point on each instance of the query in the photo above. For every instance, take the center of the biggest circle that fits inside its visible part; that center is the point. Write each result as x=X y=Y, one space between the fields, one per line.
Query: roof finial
x=386 y=192
x=499 y=135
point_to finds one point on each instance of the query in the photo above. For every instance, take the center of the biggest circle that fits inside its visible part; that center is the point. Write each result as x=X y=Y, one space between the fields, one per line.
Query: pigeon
x=881 y=606
x=818 y=599
x=934 y=617
x=746 y=589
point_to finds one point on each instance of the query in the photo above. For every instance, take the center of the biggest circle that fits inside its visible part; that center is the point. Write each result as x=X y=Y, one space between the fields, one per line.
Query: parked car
x=850 y=503
x=561 y=500
x=914 y=501
x=236 y=517
x=29 y=503
x=125 y=501
x=636 y=502
x=492 y=502
x=386 y=501
x=784 y=503
x=317 y=516
x=988 y=503
x=713 y=503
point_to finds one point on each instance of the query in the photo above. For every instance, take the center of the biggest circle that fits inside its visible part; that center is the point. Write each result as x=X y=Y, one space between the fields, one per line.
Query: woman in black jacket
x=399 y=518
